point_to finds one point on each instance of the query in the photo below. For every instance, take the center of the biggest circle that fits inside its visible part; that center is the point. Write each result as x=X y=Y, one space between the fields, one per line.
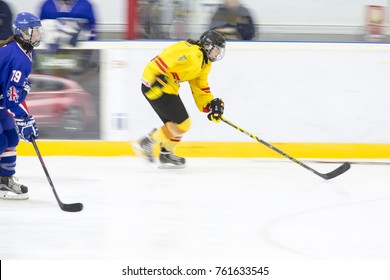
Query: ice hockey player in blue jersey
x=16 y=56
x=79 y=10
x=67 y=22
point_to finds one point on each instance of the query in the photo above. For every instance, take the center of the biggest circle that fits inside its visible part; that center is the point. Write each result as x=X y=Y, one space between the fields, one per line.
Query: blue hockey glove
x=216 y=107
x=27 y=128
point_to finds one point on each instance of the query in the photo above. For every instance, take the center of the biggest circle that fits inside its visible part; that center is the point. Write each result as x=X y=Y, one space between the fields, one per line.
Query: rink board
x=213 y=149
x=309 y=99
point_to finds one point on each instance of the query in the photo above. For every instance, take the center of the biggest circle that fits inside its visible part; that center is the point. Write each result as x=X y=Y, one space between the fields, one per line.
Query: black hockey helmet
x=213 y=44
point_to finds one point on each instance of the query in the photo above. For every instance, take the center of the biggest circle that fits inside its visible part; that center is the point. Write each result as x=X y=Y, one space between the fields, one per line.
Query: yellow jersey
x=182 y=62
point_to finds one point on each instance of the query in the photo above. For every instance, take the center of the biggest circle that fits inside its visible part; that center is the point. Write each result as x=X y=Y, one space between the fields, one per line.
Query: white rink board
x=284 y=92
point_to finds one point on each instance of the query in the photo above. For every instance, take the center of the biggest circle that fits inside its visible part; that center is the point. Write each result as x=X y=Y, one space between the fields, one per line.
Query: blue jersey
x=15 y=67
x=80 y=10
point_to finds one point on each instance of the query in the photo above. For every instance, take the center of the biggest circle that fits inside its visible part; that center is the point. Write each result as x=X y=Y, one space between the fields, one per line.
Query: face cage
x=216 y=53
x=28 y=34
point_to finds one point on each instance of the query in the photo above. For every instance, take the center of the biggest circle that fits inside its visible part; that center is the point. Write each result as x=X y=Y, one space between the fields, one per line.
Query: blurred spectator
x=233 y=21
x=162 y=19
x=68 y=21
x=178 y=28
x=150 y=18
x=5 y=21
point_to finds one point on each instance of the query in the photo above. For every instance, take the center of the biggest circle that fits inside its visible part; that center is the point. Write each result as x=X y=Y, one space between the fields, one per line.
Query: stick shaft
x=45 y=170
x=327 y=176
x=73 y=207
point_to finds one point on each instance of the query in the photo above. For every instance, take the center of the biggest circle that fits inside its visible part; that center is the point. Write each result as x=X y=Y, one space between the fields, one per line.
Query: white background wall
x=326 y=12
x=282 y=92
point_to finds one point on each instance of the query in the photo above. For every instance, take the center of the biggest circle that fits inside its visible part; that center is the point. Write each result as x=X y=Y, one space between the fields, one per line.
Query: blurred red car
x=61 y=103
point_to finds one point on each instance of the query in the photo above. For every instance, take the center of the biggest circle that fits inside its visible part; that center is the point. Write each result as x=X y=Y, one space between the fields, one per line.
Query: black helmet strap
x=25 y=45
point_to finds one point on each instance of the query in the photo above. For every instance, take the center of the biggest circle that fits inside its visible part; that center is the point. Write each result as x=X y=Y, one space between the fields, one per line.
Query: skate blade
x=7 y=195
x=170 y=166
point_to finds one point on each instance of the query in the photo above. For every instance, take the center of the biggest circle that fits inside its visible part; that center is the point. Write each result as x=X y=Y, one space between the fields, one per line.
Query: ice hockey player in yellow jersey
x=184 y=61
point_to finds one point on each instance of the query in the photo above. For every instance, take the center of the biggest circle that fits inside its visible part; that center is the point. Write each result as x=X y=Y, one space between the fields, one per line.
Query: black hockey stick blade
x=74 y=207
x=338 y=171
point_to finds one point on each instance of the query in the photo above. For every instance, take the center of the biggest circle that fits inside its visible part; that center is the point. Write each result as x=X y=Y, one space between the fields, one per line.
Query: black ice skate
x=147 y=145
x=169 y=161
x=144 y=148
x=10 y=189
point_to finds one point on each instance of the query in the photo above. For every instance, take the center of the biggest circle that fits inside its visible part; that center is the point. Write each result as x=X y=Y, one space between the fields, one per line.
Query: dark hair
x=6 y=41
x=193 y=42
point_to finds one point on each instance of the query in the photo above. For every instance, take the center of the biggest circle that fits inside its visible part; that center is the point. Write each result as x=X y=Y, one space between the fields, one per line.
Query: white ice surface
x=230 y=209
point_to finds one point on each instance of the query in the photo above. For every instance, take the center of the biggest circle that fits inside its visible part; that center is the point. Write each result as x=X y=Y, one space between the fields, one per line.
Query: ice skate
x=144 y=148
x=10 y=189
x=170 y=161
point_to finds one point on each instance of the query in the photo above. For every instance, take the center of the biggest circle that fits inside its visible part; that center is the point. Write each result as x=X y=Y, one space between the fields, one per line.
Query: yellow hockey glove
x=156 y=89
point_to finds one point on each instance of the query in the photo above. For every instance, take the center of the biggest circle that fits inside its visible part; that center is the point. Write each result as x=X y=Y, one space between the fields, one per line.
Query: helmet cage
x=29 y=34
x=214 y=45
x=214 y=53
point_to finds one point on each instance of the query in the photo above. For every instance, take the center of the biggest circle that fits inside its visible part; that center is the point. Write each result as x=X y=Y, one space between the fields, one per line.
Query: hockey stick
x=74 y=207
x=338 y=171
